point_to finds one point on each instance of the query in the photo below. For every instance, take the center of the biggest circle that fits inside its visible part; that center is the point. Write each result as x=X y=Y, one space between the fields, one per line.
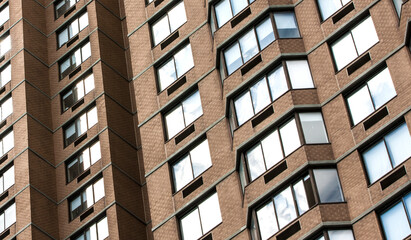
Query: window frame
x=73 y=121
x=9 y=167
x=3 y=69
x=71 y=88
x=3 y=212
x=214 y=12
x=2 y=102
x=66 y=27
x=322 y=20
x=3 y=38
x=84 y=230
x=2 y=8
x=2 y=136
x=66 y=6
x=324 y=232
x=69 y=56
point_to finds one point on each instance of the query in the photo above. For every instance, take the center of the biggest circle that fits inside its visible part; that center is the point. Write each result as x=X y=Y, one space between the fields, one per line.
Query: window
x=72 y=29
x=202 y=219
x=77 y=91
x=97 y=231
x=375 y=93
x=83 y=161
x=7 y=179
x=271 y=87
x=338 y=234
x=80 y=126
x=6 y=108
x=259 y=37
x=328 y=8
x=296 y=199
x=62 y=6
x=191 y=165
x=5 y=75
x=354 y=43
x=4 y=14
x=396 y=220
x=170 y=22
x=175 y=67
x=283 y=141
x=85 y=199
x=67 y=65
x=393 y=149
x=184 y=114
x=5 y=44
x=398 y=6
x=226 y=9
x=7 y=217
x=6 y=143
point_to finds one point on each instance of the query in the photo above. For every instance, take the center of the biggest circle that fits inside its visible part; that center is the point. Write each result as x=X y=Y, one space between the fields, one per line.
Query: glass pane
x=85 y=157
x=398 y=5
x=8 y=142
x=192 y=108
x=407 y=201
x=182 y=173
x=260 y=95
x=102 y=229
x=161 y=30
x=223 y=12
x=265 y=33
x=381 y=88
x=6 y=75
x=63 y=37
x=328 y=7
x=92 y=117
x=267 y=221
x=99 y=190
x=340 y=234
x=360 y=105
x=1 y=185
x=73 y=28
x=8 y=178
x=5 y=45
x=376 y=161
x=95 y=152
x=76 y=203
x=70 y=131
x=93 y=232
x=328 y=185
x=190 y=226
x=248 y=44
x=238 y=5
x=300 y=74
x=233 y=58
x=177 y=16
x=10 y=215
x=174 y=122
x=344 y=51
x=272 y=150
x=395 y=223
x=184 y=60
x=313 y=128
x=364 y=35
x=255 y=162
x=79 y=90
x=399 y=144
x=73 y=169
x=243 y=108
x=76 y=58
x=284 y=207
x=2 y=222
x=286 y=25
x=64 y=66
x=277 y=82
x=210 y=214
x=200 y=158
x=83 y=21
x=301 y=197
x=290 y=137
x=4 y=15
x=167 y=74
x=89 y=83
x=85 y=52
x=88 y=197
x=6 y=108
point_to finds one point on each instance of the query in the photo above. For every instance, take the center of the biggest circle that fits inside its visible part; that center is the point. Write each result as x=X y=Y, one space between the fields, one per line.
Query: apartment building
x=214 y=119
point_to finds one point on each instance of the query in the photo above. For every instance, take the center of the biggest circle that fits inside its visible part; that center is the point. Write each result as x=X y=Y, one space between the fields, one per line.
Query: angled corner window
x=5 y=44
x=226 y=9
x=296 y=199
x=7 y=217
x=7 y=179
x=367 y=99
x=6 y=142
x=77 y=91
x=62 y=6
x=4 y=14
x=86 y=198
x=336 y=234
x=398 y=6
x=191 y=165
x=202 y=219
x=175 y=67
x=271 y=86
x=354 y=43
x=329 y=7
x=83 y=160
x=396 y=220
x=6 y=108
x=5 y=75
x=256 y=39
x=74 y=59
x=96 y=231
x=80 y=125
x=72 y=29
x=168 y=23
x=183 y=115
x=392 y=150
x=283 y=141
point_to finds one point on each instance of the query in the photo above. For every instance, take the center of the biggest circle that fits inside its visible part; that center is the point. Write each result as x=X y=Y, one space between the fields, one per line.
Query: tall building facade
x=214 y=119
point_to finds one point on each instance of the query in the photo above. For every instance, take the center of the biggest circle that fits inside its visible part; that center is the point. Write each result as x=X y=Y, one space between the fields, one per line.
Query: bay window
x=83 y=160
x=75 y=58
x=72 y=29
x=77 y=91
x=86 y=198
x=61 y=6
x=226 y=9
x=80 y=126
x=329 y=7
x=396 y=220
x=97 y=231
